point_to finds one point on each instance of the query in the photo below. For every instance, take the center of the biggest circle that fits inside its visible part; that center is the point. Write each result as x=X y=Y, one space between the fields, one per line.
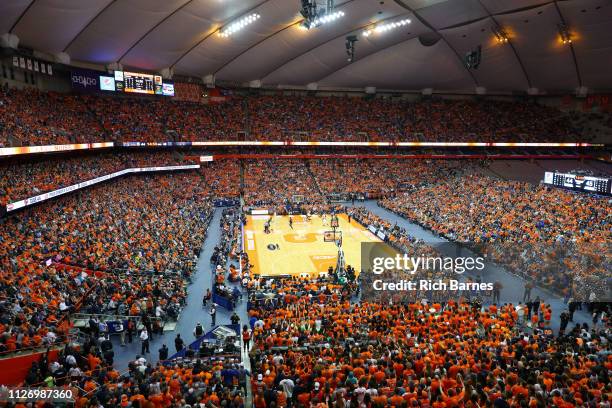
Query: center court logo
x=300 y=238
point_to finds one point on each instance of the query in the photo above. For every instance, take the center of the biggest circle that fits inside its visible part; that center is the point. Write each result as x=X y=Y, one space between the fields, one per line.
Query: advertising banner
x=85 y=79
x=13 y=151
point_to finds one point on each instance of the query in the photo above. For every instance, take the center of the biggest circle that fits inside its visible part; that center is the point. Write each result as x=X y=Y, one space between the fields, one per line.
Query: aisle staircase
x=489 y=172
x=314 y=178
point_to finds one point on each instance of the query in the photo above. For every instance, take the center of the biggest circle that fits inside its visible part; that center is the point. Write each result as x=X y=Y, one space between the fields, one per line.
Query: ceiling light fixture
x=328 y=18
x=500 y=35
x=350 y=47
x=386 y=27
x=238 y=25
x=323 y=19
x=564 y=33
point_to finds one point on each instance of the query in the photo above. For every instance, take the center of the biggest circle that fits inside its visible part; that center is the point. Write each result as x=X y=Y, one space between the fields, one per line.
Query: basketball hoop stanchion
x=336 y=235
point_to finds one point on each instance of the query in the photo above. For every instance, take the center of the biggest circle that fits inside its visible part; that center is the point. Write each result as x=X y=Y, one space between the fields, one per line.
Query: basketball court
x=301 y=250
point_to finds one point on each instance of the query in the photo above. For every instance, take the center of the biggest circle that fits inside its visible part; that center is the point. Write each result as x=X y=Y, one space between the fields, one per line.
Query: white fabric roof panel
x=500 y=69
x=331 y=56
x=10 y=10
x=57 y=22
x=156 y=34
x=181 y=31
x=451 y=13
x=114 y=31
x=535 y=36
x=408 y=63
x=419 y=4
x=294 y=41
x=216 y=51
x=592 y=44
x=503 y=6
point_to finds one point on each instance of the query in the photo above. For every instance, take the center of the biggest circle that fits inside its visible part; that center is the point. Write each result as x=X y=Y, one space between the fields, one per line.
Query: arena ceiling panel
x=428 y=53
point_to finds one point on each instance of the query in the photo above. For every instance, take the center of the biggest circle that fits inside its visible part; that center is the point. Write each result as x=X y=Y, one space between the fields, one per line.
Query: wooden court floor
x=301 y=249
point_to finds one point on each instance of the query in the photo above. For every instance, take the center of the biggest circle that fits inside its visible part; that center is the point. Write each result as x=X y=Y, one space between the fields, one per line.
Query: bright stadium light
x=381 y=28
x=238 y=25
x=323 y=19
x=328 y=18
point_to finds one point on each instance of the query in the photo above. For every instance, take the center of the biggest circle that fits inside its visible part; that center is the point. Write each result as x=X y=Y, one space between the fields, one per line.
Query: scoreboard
x=139 y=83
x=589 y=184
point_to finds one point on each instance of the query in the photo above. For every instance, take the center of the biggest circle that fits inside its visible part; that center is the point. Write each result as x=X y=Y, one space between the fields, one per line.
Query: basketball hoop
x=332 y=236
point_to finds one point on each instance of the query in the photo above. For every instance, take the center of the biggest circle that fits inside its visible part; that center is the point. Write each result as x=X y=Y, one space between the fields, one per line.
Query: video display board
x=139 y=83
x=590 y=184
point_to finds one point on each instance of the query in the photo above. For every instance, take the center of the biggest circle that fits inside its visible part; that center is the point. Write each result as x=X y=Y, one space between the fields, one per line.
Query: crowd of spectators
x=317 y=180
x=316 y=348
x=88 y=371
x=158 y=120
x=30 y=117
x=324 y=119
x=375 y=119
x=159 y=297
x=316 y=345
x=404 y=243
x=129 y=119
x=137 y=241
x=558 y=238
x=143 y=234
x=110 y=227
x=31 y=303
x=275 y=182
x=214 y=121
x=374 y=178
x=23 y=179
x=125 y=248
x=222 y=178
x=378 y=177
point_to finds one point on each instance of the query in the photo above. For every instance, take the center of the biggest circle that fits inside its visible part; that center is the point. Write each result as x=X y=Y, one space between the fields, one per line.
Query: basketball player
x=290 y=222
x=324 y=218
